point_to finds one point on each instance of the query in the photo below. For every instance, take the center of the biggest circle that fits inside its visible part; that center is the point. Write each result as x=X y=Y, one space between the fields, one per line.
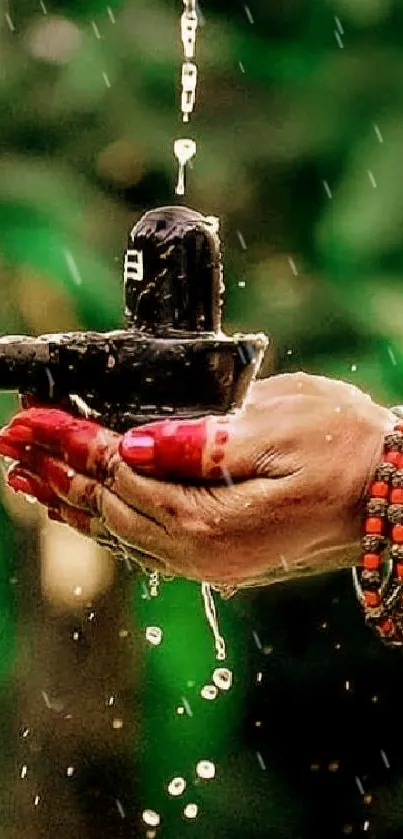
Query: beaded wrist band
x=379 y=580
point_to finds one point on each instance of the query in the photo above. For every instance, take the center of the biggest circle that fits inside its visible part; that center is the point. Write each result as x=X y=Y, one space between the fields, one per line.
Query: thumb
x=211 y=447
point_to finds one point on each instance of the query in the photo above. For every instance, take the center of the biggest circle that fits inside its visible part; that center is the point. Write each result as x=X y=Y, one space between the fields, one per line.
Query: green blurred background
x=299 y=126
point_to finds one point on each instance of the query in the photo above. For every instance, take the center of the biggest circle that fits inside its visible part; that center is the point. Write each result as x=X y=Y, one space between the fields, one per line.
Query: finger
x=79 y=490
x=91 y=527
x=84 y=444
x=212 y=448
x=55 y=484
x=21 y=480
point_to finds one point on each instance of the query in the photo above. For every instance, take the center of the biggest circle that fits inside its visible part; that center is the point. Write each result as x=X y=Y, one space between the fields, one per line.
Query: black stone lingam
x=171 y=360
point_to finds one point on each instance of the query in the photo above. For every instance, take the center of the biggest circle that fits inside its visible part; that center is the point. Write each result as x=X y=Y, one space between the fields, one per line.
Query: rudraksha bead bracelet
x=379 y=579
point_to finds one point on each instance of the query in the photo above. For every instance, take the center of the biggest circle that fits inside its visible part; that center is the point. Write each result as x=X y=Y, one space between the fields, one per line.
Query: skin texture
x=273 y=491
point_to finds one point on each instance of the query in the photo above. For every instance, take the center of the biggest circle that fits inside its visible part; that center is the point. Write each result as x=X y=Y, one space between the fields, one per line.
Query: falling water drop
x=191 y=811
x=222 y=678
x=211 y=615
x=154 y=635
x=154 y=581
x=151 y=818
x=209 y=692
x=177 y=786
x=205 y=769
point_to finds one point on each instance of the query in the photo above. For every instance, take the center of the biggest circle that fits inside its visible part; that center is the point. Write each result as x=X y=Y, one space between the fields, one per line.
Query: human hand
x=269 y=492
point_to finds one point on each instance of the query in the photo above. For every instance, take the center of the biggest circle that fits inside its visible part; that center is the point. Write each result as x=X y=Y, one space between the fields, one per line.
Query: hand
x=271 y=491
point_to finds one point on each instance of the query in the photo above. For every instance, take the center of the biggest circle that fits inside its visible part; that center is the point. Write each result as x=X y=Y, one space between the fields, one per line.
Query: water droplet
x=117 y=724
x=209 y=692
x=70 y=771
x=205 y=769
x=241 y=240
x=77 y=591
x=36 y=800
x=353 y=368
x=222 y=678
x=24 y=771
x=177 y=786
x=121 y=811
x=191 y=811
x=151 y=817
x=154 y=635
x=30 y=498
x=329 y=438
x=70 y=473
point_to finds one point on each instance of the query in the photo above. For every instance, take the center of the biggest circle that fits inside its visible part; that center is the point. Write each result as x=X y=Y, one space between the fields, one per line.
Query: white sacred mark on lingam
x=134 y=265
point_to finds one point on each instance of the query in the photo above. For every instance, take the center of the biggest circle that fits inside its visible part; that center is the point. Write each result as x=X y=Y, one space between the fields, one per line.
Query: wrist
x=381 y=421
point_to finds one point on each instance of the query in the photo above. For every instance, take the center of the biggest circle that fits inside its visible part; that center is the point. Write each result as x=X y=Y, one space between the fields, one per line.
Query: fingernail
x=166 y=449
x=137 y=448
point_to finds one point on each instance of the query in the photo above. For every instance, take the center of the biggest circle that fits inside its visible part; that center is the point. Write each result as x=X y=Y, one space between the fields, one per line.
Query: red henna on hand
x=177 y=449
x=80 y=442
x=58 y=431
x=22 y=481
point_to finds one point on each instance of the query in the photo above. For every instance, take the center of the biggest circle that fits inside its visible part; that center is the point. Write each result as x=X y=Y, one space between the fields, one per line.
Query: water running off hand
x=211 y=615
